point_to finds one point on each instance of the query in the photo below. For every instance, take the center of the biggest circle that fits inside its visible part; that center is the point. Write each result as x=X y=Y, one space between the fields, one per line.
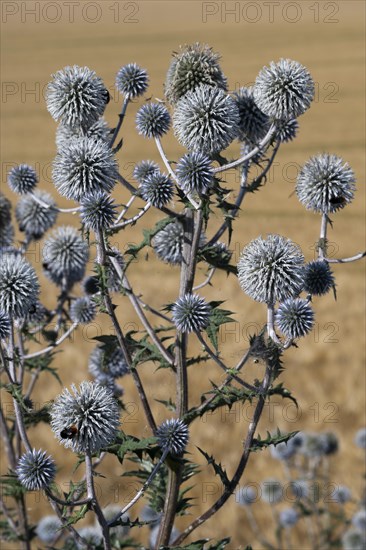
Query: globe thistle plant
x=330 y=443
x=325 y=184
x=245 y=496
x=35 y=470
x=360 y=438
x=253 y=123
x=132 y=80
x=120 y=531
x=359 y=520
x=288 y=517
x=271 y=269
x=91 y=285
x=97 y=131
x=157 y=189
x=353 y=539
x=97 y=211
x=5 y=325
x=272 y=491
x=6 y=236
x=286 y=130
x=76 y=97
x=84 y=165
x=313 y=446
x=206 y=119
x=82 y=310
x=92 y=535
x=48 y=528
x=154 y=533
x=5 y=212
x=153 y=120
x=22 y=179
x=284 y=90
x=168 y=243
x=195 y=173
x=19 y=286
x=192 y=66
x=318 y=278
x=144 y=169
x=33 y=218
x=90 y=413
x=173 y=436
x=65 y=255
x=191 y=313
x=295 y=318
x=107 y=362
x=284 y=450
x=341 y=494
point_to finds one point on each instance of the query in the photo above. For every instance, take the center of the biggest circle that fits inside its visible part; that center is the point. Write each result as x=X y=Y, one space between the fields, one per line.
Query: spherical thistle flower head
x=286 y=130
x=360 y=438
x=318 y=278
x=33 y=218
x=284 y=450
x=22 y=179
x=19 y=286
x=91 y=285
x=270 y=270
x=284 y=90
x=173 y=435
x=353 y=539
x=35 y=470
x=36 y=315
x=91 y=411
x=65 y=255
x=132 y=80
x=92 y=535
x=245 y=496
x=107 y=362
x=5 y=212
x=5 y=325
x=253 y=123
x=195 y=173
x=313 y=446
x=84 y=165
x=300 y=488
x=150 y=515
x=168 y=243
x=82 y=310
x=144 y=169
x=330 y=443
x=152 y=120
x=6 y=236
x=359 y=520
x=288 y=517
x=192 y=66
x=76 y=96
x=98 y=131
x=272 y=491
x=157 y=189
x=325 y=184
x=191 y=313
x=206 y=120
x=341 y=494
x=48 y=528
x=97 y=211
x=295 y=318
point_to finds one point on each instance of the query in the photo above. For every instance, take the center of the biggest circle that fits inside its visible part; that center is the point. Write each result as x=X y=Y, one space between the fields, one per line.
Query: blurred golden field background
x=326 y=373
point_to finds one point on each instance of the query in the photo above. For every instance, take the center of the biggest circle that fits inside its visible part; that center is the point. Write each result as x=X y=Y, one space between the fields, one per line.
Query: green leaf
x=259 y=443
x=130 y=444
x=218 y=317
x=148 y=234
x=217 y=467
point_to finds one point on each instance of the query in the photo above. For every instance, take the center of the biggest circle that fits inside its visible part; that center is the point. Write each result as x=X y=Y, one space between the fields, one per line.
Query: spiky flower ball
x=157 y=189
x=312 y=446
x=92 y=536
x=206 y=119
x=318 y=278
x=33 y=218
x=76 y=96
x=97 y=211
x=330 y=443
x=6 y=236
x=132 y=80
x=272 y=491
x=271 y=269
x=286 y=130
x=35 y=470
x=143 y=169
x=353 y=539
x=168 y=243
x=19 y=286
x=284 y=90
x=284 y=450
x=360 y=438
x=65 y=255
x=359 y=520
x=82 y=310
x=84 y=165
x=152 y=120
x=107 y=362
x=48 y=528
x=5 y=211
x=91 y=285
x=5 y=325
x=192 y=66
x=295 y=318
x=253 y=123
x=191 y=313
x=173 y=435
x=288 y=517
x=325 y=184
x=119 y=531
x=22 y=179
x=98 y=130
x=341 y=494
x=195 y=173
x=90 y=414
x=245 y=496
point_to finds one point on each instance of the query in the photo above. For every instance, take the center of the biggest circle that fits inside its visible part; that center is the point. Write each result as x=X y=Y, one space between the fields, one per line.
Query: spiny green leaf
x=271 y=439
x=216 y=466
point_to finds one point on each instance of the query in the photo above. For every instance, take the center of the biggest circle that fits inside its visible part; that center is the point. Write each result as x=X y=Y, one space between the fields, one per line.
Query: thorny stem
x=52 y=207
x=322 y=249
x=69 y=331
x=270 y=324
x=346 y=260
x=94 y=502
x=121 y=117
x=132 y=220
x=125 y=209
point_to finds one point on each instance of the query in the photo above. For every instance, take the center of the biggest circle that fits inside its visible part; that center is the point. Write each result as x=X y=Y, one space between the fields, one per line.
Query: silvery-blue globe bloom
x=92 y=535
x=19 y=286
x=295 y=317
x=286 y=130
x=195 y=173
x=271 y=269
x=300 y=488
x=353 y=539
x=48 y=528
x=359 y=520
x=37 y=315
x=5 y=325
x=288 y=517
x=253 y=123
x=341 y=494
x=65 y=255
x=192 y=66
x=76 y=96
x=33 y=218
x=360 y=438
x=154 y=533
x=284 y=450
x=98 y=211
x=149 y=514
x=157 y=189
x=152 y=120
x=22 y=179
x=107 y=363
x=318 y=278
x=82 y=310
x=245 y=496
x=272 y=491
x=173 y=435
x=35 y=470
x=120 y=531
x=98 y=130
x=330 y=443
x=312 y=446
x=284 y=90
x=132 y=80
x=5 y=211
x=168 y=243
x=206 y=119
x=325 y=184
x=6 y=236
x=86 y=419
x=143 y=169
x=84 y=165
x=191 y=313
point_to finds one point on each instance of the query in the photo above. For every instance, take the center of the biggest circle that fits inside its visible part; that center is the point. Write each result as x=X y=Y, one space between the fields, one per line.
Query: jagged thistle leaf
x=271 y=439
x=216 y=466
x=218 y=317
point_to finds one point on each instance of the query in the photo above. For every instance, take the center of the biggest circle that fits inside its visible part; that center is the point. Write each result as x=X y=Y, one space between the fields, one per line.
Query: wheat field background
x=326 y=373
